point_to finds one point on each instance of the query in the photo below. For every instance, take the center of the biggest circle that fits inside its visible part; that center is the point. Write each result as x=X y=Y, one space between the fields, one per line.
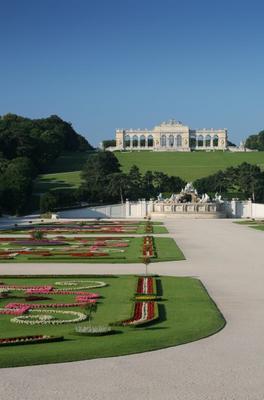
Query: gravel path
x=229 y=259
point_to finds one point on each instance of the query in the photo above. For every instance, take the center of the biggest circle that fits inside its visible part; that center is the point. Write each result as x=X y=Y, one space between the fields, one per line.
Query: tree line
x=244 y=181
x=27 y=147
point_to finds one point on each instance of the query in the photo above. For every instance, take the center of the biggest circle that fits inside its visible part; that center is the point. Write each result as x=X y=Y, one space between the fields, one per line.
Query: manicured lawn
x=59 y=180
x=65 y=173
x=186 y=313
x=259 y=225
x=189 y=166
x=85 y=250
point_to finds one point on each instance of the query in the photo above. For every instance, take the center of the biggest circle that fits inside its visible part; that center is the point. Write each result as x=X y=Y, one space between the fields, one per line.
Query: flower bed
x=148 y=247
x=145 y=285
x=30 y=340
x=47 y=319
x=88 y=284
x=22 y=309
x=144 y=312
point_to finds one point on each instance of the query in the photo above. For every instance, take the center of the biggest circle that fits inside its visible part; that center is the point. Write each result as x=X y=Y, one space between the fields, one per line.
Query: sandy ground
x=229 y=259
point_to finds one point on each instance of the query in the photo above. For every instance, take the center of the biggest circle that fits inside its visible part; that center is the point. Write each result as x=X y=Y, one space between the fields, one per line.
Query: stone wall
x=143 y=208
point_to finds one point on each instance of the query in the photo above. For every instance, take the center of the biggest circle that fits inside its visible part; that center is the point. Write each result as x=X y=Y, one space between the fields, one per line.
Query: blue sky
x=114 y=64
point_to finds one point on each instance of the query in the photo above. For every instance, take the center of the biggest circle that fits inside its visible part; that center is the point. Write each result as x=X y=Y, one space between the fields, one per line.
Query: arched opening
x=200 y=141
x=142 y=141
x=127 y=141
x=192 y=140
x=179 y=141
x=215 y=141
x=135 y=141
x=150 y=141
x=163 y=141
x=208 y=141
x=171 y=140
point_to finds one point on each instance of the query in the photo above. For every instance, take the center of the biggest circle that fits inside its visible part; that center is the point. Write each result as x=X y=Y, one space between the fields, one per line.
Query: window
x=135 y=141
x=127 y=141
x=179 y=141
x=150 y=141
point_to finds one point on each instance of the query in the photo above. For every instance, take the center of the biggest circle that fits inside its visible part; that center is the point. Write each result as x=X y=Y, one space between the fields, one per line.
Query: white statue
x=173 y=196
x=205 y=198
x=218 y=198
x=189 y=187
x=160 y=198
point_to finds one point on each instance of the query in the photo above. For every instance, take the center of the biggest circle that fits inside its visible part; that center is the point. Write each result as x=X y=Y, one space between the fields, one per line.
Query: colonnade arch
x=138 y=141
x=171 y=141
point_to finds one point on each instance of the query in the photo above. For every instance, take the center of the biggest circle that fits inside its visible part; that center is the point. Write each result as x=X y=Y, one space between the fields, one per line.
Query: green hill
x=65 y=172
x=189 y=166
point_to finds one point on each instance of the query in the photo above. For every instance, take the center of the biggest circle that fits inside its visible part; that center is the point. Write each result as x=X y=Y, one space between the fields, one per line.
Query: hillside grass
x=188 y=166
x=186 y=314
x=65 y=173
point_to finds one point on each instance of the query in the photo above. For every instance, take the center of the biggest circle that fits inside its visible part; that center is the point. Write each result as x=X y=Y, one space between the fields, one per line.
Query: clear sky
x=110 y=64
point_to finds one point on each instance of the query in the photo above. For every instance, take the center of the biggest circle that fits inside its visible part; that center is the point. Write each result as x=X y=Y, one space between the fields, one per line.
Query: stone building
x=171 y=135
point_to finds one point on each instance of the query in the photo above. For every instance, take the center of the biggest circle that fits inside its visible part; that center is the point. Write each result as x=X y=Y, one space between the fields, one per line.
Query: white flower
x=48 y=319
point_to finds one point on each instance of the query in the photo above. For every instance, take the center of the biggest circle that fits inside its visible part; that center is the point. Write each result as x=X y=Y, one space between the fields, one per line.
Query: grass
x=65 y=173
x=258 y=227
x=255 y=224
x=61 y=180
x=189 y=166
x=69 y=162
x=166 y=250
x=186 y=314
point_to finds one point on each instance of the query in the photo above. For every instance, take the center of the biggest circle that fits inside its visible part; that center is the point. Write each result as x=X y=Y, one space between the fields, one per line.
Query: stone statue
x=218 y=198
x=172 y=198
x=205 y=198
x=189 y=188
x=160 y=198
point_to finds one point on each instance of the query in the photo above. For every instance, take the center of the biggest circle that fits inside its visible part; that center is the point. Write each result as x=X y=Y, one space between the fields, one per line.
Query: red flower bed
x=148 y=249
x=144 y=312
x=29 y=339
x=145 y=285
x=19 y=310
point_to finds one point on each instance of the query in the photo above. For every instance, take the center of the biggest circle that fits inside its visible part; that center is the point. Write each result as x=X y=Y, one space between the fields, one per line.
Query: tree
x=118 y=186
x=256 y=142
x=96 y=176
x=108 y=143
x=48 y=202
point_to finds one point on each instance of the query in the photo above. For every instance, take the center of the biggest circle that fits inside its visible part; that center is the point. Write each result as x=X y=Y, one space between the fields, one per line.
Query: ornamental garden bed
x=88 y=249
x=90 y=227
x=186 y=313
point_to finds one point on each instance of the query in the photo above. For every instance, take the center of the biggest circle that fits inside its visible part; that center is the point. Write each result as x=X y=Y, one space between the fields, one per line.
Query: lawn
x=59 y=180
x=87 y=250
x=65 y=173
x=185 y=313
x=255 y=224
x=189 y=166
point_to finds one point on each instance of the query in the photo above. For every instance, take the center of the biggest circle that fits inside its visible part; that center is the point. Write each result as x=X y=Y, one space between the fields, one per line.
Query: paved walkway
x=229 y=259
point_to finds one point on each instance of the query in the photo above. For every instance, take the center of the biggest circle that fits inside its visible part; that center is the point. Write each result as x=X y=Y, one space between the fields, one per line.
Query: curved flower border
x=27 y=319
x=94 y=284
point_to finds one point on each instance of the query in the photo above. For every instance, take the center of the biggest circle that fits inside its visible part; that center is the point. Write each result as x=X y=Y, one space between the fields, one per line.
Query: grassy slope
x=187 y=314
x=65 y=172
x=188 y=166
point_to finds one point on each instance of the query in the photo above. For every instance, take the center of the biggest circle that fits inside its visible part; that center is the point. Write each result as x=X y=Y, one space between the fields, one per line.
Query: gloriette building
x=171 y=135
